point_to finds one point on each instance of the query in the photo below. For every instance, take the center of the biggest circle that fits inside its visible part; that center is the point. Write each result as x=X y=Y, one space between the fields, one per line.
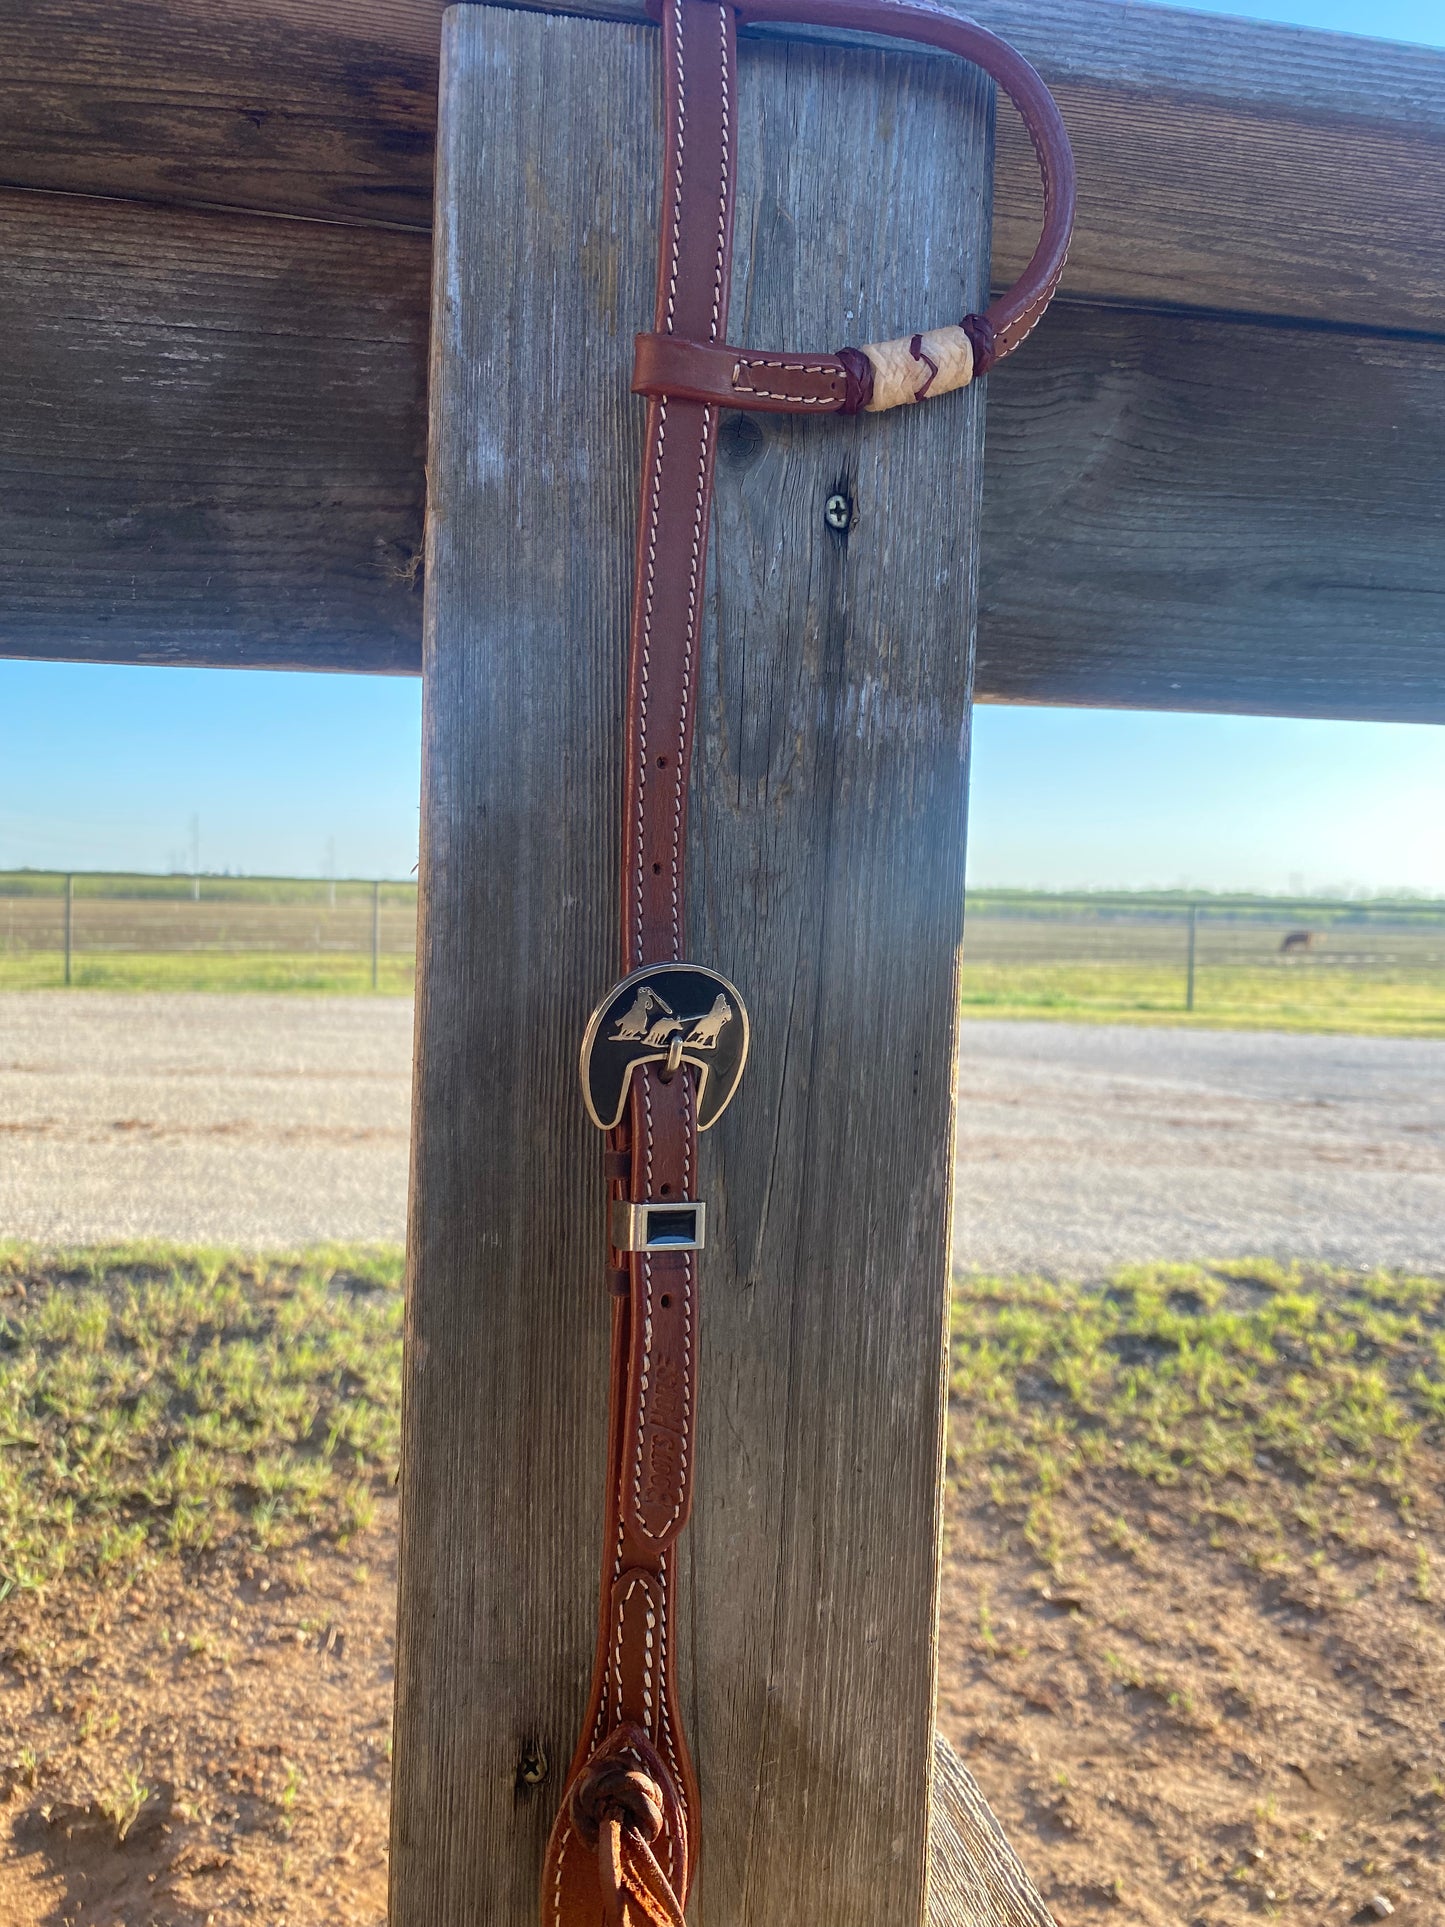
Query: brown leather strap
x=679 y=363
x=633 y=1708
x=623 y=1848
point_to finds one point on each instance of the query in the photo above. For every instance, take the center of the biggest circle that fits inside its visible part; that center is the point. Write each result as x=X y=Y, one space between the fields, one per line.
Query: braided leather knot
x=612 y=1790
x=619 y=1804
x=984 y=340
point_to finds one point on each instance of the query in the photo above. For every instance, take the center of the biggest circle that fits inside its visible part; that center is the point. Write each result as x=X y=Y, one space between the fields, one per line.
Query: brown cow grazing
x=1295 y=940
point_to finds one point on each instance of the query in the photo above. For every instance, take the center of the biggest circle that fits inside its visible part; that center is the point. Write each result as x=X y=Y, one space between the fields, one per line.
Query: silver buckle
x=668 y=1015
x=660 y=1227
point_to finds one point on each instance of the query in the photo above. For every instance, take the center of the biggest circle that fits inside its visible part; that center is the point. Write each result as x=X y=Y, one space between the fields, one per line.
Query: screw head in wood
x=838 y=513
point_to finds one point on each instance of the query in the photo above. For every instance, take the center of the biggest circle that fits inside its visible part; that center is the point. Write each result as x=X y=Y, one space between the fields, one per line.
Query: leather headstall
x=665 y=1049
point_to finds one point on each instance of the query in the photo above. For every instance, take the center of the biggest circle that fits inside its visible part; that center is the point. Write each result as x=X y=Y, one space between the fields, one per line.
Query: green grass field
x=1376 y=968
x=1360 y=1003
x=217 y=933
x=161 y=1401
x=324 y=973
x=1374 y=1003
x=1199 y=1379
x=1372 y=968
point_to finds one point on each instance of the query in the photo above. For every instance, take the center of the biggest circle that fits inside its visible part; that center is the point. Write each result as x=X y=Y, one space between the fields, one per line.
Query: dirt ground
x=1172 y=1735
x=1177 y=1736
x=203 y=1748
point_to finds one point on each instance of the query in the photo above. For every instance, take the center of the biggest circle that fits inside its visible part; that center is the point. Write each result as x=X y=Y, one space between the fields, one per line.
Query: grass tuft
x=154 y=1399
x=1231 y=1381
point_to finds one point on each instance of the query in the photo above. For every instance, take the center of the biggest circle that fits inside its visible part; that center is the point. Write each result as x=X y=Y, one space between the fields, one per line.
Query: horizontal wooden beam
x=1223 y=164
x=211 y=437
x=211 y=434
x=1181 y=513
x=1235 y=165
x=324 y=110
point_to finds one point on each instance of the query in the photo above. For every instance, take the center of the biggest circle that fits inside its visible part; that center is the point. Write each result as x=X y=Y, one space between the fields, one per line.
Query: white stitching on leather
x=694 y=586
x=677 y=170
x=685 y=707
x=665 y=1733
x=722 y=199
x=653 y=518
x=562 y=1845
x=657 y=1710
x=599 y=1725
x=786 y=367
x=646 y=1373
x=655 y=507
x=645 y=1377
x=742 y=387
x=647 y=1107
x=675 y=1514
x=649 y=1718
x=619 y=1617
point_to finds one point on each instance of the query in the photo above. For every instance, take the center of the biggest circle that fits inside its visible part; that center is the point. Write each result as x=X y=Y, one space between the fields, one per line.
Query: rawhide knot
x=620 y=1782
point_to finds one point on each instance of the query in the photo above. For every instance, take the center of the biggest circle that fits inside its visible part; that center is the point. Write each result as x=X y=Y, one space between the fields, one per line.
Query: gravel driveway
x=251 y=1121
x=273 y=1121
x=1083 y=1146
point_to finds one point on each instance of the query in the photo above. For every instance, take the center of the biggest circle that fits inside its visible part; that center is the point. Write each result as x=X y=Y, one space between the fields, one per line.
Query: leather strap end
x=671 y=366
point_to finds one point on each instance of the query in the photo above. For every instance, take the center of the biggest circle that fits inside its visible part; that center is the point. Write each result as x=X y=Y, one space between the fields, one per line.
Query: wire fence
x=105 y=929
x=1210 y=956
x=1351 y=963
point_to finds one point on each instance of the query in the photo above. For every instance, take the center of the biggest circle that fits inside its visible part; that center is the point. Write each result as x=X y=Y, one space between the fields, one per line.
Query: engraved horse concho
x=669 y=1014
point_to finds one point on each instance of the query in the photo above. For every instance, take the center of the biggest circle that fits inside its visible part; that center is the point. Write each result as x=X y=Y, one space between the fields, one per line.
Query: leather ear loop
x=844 y=383
x=1013 y=316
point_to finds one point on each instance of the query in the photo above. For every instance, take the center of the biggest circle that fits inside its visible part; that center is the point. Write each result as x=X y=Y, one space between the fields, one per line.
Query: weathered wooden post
x=827 y=842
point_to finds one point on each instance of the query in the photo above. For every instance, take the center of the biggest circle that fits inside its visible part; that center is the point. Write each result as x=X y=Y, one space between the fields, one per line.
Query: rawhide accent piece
x=909 y=370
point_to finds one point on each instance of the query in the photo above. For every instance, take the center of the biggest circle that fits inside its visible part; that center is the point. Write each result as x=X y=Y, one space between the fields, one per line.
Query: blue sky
x=110 y=768
x=105 y=768
x=1422 y=21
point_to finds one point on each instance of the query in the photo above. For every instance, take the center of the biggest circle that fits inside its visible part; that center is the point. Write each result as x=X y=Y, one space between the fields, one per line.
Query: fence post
x=827 y=831
x=69 y=923
x=376 y=934
x=1189 y=988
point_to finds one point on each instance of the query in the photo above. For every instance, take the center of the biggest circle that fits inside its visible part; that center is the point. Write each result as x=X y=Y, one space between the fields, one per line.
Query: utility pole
x=376 y=935
x=69 y=923
x=195 y=859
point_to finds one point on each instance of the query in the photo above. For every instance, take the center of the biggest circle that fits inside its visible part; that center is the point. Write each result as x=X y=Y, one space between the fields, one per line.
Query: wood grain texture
x=325 y=110
x=827 y=866
x=827 y=853
x=1181 y=514
x=1234 y=165
x=211 y=437
x=1223 y=164
x=974 y=1876
x=530 y=540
